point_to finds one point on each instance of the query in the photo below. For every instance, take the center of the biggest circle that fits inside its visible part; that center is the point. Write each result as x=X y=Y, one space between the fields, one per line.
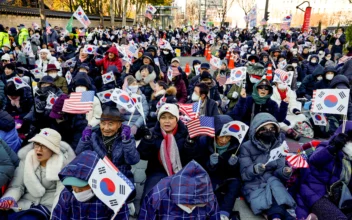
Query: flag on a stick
x=79 y=102
x=201 y=126
x=82 y=17
x=189 y=109
x=69 y=25
x=297 y=161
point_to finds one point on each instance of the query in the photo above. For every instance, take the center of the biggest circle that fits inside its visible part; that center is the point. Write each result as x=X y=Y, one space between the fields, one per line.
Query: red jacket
x=105 y=62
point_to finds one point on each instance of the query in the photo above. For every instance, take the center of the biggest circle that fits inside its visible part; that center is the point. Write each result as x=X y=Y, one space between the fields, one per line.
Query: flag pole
x=198 y=107
x=129 y=121
x=344 y=123
x=237 y=149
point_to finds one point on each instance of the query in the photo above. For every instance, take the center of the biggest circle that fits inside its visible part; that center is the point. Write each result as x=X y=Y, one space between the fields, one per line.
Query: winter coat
x=22 y=37
x=61 y=83
x=180 y=85
x=106 y=62
x=8 y=132
x=26 y=103
x=324 y=169
x=211 y=108
x=338 y=48
x=347 y=71
x=149 y=149
x=309 y=67
x=69 y=208
x=3 y=97
x=123 y=153
x=42 y=65
x=293 y=104
x=144 y=85
x=26 y=187
x=260 y=189
x=137 y=119
x=8 y=163
x=4 y=39
x=162 y=66
x=191 y=185
x=308 y=83
x=234 y=101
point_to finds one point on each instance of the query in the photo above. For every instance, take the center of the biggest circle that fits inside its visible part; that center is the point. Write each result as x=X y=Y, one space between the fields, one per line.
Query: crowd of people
x=47 y=155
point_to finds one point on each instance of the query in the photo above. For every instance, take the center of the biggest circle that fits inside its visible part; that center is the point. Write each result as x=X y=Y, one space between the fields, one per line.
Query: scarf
x=282 y=94
x=257 y=99
x=221 y=149
x=169 y=155
x=108 y=142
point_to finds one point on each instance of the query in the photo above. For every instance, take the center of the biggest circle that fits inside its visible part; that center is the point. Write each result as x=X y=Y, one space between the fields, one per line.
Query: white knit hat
x=49 y=138
x=170 y=108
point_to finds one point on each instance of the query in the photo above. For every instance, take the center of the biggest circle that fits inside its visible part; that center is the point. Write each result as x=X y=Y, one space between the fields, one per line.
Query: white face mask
x=166 y=52
x=253 y=80
x=84 y=196
x=327 y=58
x=282 y=86
x=133 y=89
x=252 y=52
x=294 y=52
x=319 y=78
x=294 y=65
x=54 y=75
x=81 y=89
x=313 y=61
x=329 y=76
x=347 y=149
x=195 y=97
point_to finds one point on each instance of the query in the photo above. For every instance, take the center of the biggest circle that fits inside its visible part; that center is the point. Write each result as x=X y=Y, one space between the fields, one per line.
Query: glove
x=87 y=132
x=153 y=114
x=338 y=142
x=259 y=168
x=134 y=129
x=126 y=133
x=40 y=106
x=287 y=171
x=233 y=160
x=235 y=95
x=147 y=134
x=214 y=159
x=189 y=139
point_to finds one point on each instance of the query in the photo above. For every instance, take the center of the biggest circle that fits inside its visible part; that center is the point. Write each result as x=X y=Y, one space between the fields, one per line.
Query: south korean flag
x=331 y=101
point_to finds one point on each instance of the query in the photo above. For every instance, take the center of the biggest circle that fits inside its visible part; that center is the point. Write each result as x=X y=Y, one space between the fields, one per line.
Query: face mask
x=294 y=65
x=319 y=78
x=81 y=89
x=294 y=52
x=329 y=76
x=133 y=89
x=252 y=52
x=327 y=58
x=347 y=149
x=267 y=137
x=84 y=196
x=313 y=61
x=282 y=86
x=195 y=97
x=46 y=90
x=54 y=75
x=253 y=80
x=166 y=52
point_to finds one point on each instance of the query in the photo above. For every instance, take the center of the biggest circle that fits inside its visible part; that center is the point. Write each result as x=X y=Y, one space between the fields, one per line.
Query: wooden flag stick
x=344 y=123
x=129 y=121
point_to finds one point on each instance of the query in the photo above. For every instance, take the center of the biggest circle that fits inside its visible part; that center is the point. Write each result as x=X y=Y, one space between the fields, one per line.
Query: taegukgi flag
x=332 y=101
x=122 y=99
x=82 y=17
x=236 y=129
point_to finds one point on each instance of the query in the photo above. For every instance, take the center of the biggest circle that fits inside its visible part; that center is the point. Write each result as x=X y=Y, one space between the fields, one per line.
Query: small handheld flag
x=278 y=152
x=108 y=77
x=79 y=102
x=236 y=129
x=122 y=99
x=105 y=95
x=201 y=126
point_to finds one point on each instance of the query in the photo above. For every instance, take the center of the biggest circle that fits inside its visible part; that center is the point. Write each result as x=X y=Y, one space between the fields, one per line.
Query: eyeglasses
x=264 y=88
x=272 y=129
x=41 y=146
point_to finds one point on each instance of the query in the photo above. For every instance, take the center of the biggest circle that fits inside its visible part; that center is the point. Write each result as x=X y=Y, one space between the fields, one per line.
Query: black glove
x=339 y=142
x=147 y=134
x=189 y=139
x=40 y=106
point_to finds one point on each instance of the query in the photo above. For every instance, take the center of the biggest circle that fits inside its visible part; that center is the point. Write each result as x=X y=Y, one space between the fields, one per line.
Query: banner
x=82 y=17
x=306 y=20
x=332 y=101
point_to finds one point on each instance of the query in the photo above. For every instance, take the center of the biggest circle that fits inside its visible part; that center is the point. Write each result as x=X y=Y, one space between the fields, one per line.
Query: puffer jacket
x=309 y=67
x=8 y=132
x=106 y=62
x=308 y=83
x=42 y=64
x=144 y=84
x=137 y=119
x=61 y=83
x=26 y=103
x=260 y=189
x=8 y=163
x=32 y=184
x=123 y=153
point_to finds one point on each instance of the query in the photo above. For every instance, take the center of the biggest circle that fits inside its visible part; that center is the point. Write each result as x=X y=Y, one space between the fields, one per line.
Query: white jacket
x=31 y=186
x=42 y=64
x=292 y=104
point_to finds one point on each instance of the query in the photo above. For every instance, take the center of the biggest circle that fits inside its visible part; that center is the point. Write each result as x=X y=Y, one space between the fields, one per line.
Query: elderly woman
x=167 y=139
x=45 y=58
x=145 y=78
x=36 y=185
x=263 y=184
x=111 y=139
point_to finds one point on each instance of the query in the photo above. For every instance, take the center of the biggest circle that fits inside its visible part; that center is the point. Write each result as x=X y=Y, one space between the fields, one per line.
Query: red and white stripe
x=297 y=161
x=195 y=129
x=187 y=109
x=74 y=105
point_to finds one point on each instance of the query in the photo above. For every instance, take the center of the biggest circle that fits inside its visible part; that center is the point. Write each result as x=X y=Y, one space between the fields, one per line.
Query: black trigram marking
x=243 y=127
x=100 y=95
x=118 y=91
x=122 y=190
x=342 y=95
x=340 y=108
x=240 y=136
x=321 y=94
x=323 y=122
x=114 y=98
x=281 y=155
x=113 y=202
x=101 y=170
x=224 y=132
x=94 y=183
x=129 y=106
x=227 y=125
x=319 y=107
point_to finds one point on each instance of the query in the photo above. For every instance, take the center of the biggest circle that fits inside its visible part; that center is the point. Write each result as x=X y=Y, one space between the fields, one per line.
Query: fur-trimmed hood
x=150 y=78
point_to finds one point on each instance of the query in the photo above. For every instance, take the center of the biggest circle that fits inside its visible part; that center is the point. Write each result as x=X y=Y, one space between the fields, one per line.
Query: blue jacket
x=124 y=153
x=192 y=186
x=137 y=119
x=68 y=208
x=309 y=67
x=8 y=131
x=8 y=163
x=26 y=103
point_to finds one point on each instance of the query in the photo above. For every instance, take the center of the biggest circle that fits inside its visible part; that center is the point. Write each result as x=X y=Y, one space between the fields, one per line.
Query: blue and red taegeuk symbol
x=318 y=117
x=234 y=128
x=52 y=101
x=330 y=101
x=90 y=49
x=79 y=13
x=108 y=77
x=107 y=186
x=107 y=95
x=124 y=98
x=18 y=80
x=238 y=73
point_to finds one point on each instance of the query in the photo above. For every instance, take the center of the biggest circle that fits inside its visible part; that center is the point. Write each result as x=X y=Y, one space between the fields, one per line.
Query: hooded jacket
x=260 y=189
x=68 y=207
x=8 y=163
x=8 y=132
x=308 y=83
x=324 y=83
x=42 y=64
x=106 y=62
x=246 y=108
x=347 y=70
x=192 y=186
x=309 y=67
x=22 y=37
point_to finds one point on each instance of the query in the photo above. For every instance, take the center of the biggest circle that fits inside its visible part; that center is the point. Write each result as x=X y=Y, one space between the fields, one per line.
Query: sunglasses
x=5 y=61
x=264 y=88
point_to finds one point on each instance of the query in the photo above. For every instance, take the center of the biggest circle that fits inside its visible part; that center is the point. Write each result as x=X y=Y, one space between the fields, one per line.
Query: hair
x=203 y=89
x=148 y=67
x=161 y=83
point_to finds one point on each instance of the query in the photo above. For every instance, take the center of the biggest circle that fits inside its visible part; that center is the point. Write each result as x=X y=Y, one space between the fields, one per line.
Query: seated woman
x=36 y=186
x=145 y=78
x=263 y=184
x=326 y=186
x=259 y=101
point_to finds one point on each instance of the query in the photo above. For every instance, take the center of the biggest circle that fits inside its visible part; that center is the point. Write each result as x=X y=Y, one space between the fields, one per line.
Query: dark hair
x=162 y=84
x=203 y=89
x=10 y=66
x=148 y=67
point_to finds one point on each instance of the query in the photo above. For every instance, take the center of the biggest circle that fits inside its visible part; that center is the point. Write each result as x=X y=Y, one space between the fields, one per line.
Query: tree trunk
x=101 y=13
x=112 y=14
x=42 y=13
x=138 y=9
x=124 y=13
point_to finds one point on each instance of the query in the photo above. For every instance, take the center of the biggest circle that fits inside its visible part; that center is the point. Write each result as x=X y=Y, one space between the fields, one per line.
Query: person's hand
x=218 y=77
x=126 y=133
x=147 y=134
x=127 y=66
x=134 y=129
x=287 y=171
x=40 y=106
x=259 y=168
x=243 y=93
x=214 y=159
x=287 y=99
x=235 y=95
x=339 y=142
x=233 y=160
x=87 y=133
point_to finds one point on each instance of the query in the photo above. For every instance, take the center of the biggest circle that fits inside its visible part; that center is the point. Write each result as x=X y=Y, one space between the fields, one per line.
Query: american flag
x=201 y=126
x=79 y=102
x=47 y=27
x=202 y=29
x=7 y=203
x=148 y=15
x=297 y=161
x=189 y=109
x=282 y=75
